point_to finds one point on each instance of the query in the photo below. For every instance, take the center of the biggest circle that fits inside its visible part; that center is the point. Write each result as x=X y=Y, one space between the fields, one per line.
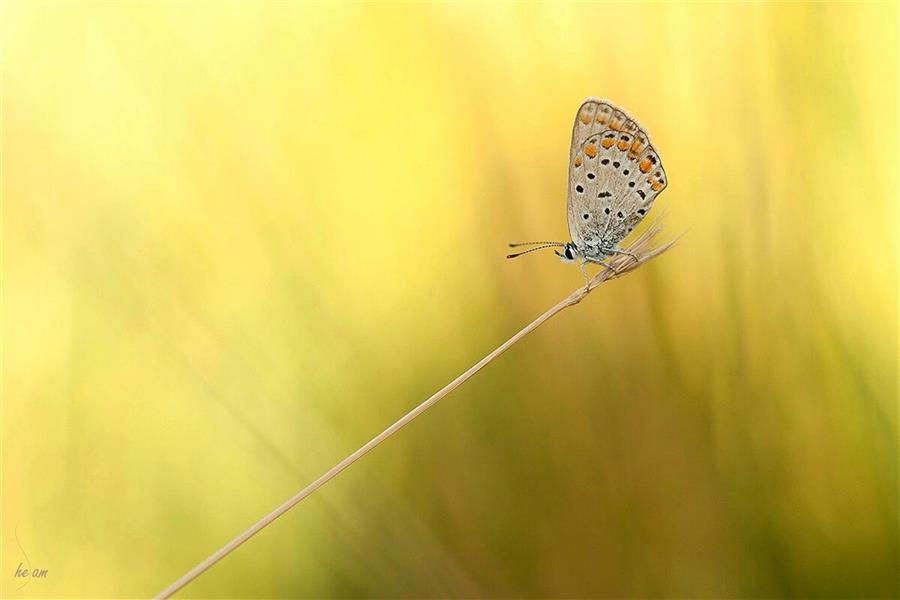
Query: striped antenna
x=546 y=245
x=533 y=243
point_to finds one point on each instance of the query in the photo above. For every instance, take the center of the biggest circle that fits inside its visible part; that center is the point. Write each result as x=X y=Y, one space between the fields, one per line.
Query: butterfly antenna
x=533 y=243
x=547 y=245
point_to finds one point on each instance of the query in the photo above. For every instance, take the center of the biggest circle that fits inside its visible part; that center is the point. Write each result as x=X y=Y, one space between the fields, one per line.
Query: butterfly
x=615 y=174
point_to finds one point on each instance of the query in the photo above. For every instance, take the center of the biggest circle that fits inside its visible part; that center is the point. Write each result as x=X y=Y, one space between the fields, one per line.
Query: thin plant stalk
x=641 y=249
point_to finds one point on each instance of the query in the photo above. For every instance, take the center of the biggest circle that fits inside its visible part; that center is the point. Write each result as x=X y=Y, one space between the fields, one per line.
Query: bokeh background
x=239 y=239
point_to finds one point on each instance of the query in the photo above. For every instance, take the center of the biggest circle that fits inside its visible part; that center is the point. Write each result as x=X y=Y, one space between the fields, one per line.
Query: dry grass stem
x=642 y=249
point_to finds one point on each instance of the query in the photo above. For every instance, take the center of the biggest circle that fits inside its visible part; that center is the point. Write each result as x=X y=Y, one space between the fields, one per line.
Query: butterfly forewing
x=614 y=176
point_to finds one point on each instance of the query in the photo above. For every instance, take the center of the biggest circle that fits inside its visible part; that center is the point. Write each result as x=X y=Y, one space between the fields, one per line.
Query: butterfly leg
x=598 y=262
x=608 y=266
x=618 y=250
x=584 y=274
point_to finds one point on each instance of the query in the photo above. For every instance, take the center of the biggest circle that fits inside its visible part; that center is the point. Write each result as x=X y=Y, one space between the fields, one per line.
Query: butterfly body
x=615 y=174
x=589 y=253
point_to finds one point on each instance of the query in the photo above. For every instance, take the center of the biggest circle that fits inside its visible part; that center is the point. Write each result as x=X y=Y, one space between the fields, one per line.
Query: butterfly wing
x=637 y=190
x=614 y=176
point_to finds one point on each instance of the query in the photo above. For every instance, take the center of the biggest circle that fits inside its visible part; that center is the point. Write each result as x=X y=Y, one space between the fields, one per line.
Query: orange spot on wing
x=585 y=118
x=578 y=162
x=623 y=144
x=608 y=142
x=601 y=118
x=590 y=150
x=645 y=166
x=657 y=185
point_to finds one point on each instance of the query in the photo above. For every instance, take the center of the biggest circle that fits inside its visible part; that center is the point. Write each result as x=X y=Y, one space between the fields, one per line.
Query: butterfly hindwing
x=614 y=176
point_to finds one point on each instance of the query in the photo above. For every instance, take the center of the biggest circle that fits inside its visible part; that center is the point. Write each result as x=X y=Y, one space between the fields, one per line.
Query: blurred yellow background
x=239 y=239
